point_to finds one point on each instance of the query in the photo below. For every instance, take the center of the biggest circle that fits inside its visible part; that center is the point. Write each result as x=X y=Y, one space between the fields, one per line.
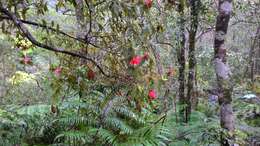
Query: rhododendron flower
x=26 y=60
x=136 y=60
x=57 y=71
x=145 y=56
x=148 y=3
x=91 y=75
x=152 y=94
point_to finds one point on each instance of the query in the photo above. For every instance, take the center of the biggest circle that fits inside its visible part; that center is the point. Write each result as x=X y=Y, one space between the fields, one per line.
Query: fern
x=76 y=120
x=149 y=135
x=12 y=129
x=106 y=136
x=106 y=120
x=96 y=119
x=124 y=111
x=201 y=130
x=34 y=110
x=73 y=137
x=118 y=125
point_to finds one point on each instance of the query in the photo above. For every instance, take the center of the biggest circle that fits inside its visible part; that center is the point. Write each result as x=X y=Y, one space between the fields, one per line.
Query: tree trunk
x=181 y=60
x=81 y=24
x=194 y=4
x=157 y=57
x=223 y=71
x=252 y=56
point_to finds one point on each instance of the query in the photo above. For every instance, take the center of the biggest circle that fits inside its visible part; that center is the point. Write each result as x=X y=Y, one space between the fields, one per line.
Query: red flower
x=90 y=75
x=152 y=94
x=57 y=71
x=136 y=60
x=145 y=56
x=148 y=3
x=27 y=60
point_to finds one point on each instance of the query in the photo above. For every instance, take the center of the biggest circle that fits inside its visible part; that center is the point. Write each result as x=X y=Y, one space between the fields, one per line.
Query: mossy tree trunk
x=181 y=61
x=194 y=6
x=223 y=71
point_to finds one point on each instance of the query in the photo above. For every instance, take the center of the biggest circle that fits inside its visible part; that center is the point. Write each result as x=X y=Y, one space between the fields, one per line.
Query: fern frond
x=34 y=110
x=105 y=135
x=148 y=135
x=79 y=104
x=124 y=111
x=117 y=124
x=119 y=100
x=73 y=137
x=77 y=120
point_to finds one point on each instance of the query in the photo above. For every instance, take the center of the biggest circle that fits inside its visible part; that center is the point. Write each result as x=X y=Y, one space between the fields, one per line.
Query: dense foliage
x=110 y=72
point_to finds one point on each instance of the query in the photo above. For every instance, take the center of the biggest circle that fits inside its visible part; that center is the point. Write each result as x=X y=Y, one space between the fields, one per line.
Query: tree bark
x=194 y=5
x=249 y=71
x=181 y=60
x=223 y=71
x=157 y=57
x=79 y=11
x=81 y=27
x=253 y=56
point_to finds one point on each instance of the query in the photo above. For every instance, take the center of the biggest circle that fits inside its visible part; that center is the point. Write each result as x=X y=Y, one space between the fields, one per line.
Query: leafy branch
x=19 y=24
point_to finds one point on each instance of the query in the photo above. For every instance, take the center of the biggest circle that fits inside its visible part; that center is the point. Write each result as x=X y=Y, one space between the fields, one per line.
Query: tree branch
x=43 y=26
x=52 y=29
x=163 y=43
x=29 y=36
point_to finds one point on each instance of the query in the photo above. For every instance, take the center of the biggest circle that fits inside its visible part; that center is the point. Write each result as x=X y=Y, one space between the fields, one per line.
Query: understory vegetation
x=130 y=73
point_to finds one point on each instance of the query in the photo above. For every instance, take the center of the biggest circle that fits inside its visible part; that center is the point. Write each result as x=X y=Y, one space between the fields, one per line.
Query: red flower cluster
x=148 y=3
x=57 y=71
x=152 y=94
x=136 y=60
x=26 y=60
x=90 y=74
